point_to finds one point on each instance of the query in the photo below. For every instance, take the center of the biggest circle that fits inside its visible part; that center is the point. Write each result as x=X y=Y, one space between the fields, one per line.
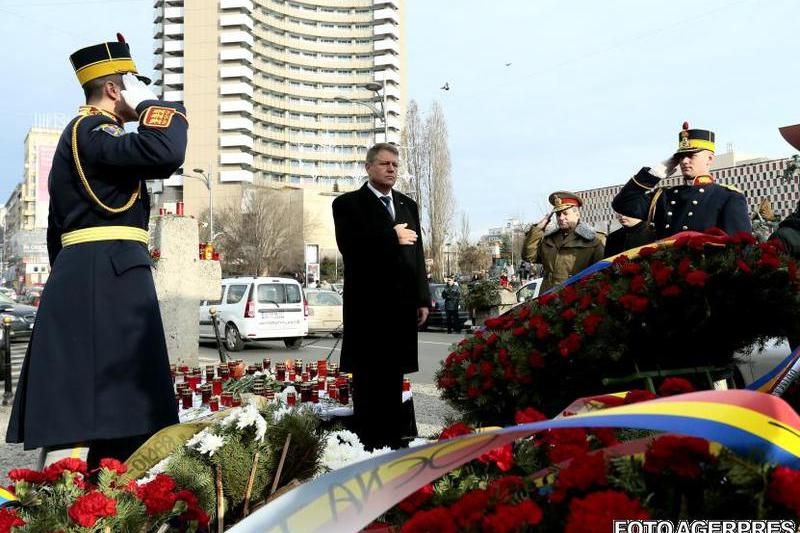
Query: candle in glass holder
x=258 y=389
x=321 y=383
x=251 y=369
x=292 y=376
x=213 y=403
x=333 y=391
x=205 y=393
x=406 y=385
x=334 y=370
x=225 y=373
x=322 y=368
x=305 y=392
x=344 y=394
x=280 y=372
x=227 y=399
x=186 y=397
x=269 y=395
x=304 y=377
x=312 y=370
x=315 y=396
x=216 y=386
x=267 y=363
x=193 y=381
x=291 y=398
x=237 y=401
x=184 y=368
x=209 y=372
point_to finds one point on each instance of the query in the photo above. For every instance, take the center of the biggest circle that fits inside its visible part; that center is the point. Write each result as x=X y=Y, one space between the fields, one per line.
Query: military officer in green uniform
x=96 y=380
x=698 y=204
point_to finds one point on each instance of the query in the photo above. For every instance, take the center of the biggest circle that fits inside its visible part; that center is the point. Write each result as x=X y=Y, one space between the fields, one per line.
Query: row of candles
x=313 y=379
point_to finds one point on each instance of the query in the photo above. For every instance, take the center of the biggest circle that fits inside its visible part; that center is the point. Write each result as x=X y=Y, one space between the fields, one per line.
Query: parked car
x=324 y=312
x=437 y=317
x=9 y=292
x=257 y=309
x=23 y=317
x=31 y=296
x=338 y=287
x=529 y=290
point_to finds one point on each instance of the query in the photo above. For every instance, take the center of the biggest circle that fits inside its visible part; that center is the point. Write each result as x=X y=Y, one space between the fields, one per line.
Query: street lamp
x=206 y=179
x=380 y=113
x=447 y=252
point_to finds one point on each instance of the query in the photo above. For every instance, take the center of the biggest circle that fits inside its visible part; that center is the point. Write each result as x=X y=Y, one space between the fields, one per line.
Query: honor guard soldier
x=697 y=205
x=96 y=379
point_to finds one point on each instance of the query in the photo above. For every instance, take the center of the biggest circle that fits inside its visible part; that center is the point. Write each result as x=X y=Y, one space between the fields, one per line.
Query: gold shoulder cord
x=85 y=182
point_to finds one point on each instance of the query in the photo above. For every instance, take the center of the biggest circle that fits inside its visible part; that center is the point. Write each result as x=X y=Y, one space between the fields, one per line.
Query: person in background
x=452 y=300
x=567 y=249
x=697 y=205
x=632 y=234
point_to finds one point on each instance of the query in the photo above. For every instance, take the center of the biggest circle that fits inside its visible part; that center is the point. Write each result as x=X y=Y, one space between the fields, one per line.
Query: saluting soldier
x=96 y=381
x=697 y=205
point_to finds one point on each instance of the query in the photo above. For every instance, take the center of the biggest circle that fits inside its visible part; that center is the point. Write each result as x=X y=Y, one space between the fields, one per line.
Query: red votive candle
x=193 y=381
x=315 y=396
x=267 y=363
x=344 y=394
x=205 y=393
x=186 y=396
x=304 y=377
x=333 y=391
x=280 y=372
x=213 y=403
x=216 y=386
x=179 y=208
x=227 y=399
x=406 y=385
x=292 y=376
x=236 y=402
x=291 y=398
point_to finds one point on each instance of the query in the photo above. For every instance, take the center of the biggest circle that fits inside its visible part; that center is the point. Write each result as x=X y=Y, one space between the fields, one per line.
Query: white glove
x=663 y=169
x=135 y=91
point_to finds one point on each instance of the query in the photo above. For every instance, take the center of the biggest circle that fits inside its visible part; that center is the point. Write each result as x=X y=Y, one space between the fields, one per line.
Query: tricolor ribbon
x=750 y=423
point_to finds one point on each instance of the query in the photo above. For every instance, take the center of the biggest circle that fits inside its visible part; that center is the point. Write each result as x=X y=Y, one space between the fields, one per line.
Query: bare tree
x=413 y=153
x=474 y=259
x=464 y=230
x=258 y=236
x=438 y=187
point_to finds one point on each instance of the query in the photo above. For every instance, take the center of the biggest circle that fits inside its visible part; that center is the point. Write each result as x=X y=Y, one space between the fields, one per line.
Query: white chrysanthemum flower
x=191 y=443
x=381 y=451
x=210 y=444
x=231 y=418
x=247 y=416
x=261 y=428
x=345 y=436
x=280 y=412
x=418 y=442
x=159 y=468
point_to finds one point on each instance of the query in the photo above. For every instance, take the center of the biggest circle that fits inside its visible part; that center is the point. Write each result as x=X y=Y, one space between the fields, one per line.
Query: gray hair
x=372 y=153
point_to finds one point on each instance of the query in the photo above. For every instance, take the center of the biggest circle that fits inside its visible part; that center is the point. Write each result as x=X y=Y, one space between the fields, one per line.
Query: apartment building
x=278 y=92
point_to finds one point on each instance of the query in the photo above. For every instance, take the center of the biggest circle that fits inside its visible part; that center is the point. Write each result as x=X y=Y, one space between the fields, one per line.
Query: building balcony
x=390 y=60
x=387 y=14
x=173 y=96
x=289 y=10
x=236 y=20
x=335 y=78
x=311 y=170
x=386 y=43
x=323 y=137
x=236 y=88
x=236 y=106
x=353 y=93
x=173 y=79
x=158 y=13
x=311 y=124
x=245 y=5
x=236 y=36
x=238 y=175
x=236 y=53
x=173 y=46
x=173 y=63
x=321 y=107
x=173 y=30
x=324 y=153
x=236 y=140
x=315 y=29
x=236 y=72
x=319 y=62
x=158 y=45
x=173 y=14
x=236 y=158
x=387 y=29
x=298 y=43
x=236 y=124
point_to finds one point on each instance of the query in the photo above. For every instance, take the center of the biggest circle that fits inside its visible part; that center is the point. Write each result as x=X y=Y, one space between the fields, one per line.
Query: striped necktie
x=387 y=201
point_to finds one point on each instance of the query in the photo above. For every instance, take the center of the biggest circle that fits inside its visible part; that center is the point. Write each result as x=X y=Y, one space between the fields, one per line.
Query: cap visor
x=792 y=135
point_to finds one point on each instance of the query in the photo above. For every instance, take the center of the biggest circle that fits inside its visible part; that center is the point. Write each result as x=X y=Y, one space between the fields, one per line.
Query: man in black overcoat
x=386 y=296
x=97 y=373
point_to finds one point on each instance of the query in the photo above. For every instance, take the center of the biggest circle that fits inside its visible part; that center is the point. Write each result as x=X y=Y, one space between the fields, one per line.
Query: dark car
x=22 y=315
x=437 y=317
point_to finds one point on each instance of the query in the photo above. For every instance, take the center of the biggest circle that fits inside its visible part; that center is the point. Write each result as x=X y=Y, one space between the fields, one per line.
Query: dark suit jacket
x=384 y=282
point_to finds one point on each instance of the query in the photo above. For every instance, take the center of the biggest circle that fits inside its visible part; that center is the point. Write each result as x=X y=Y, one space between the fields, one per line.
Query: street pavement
x=432 y=413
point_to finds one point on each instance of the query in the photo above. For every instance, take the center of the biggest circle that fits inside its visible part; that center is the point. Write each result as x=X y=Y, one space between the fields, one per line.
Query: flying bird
x=445 y=87
x=508 y=64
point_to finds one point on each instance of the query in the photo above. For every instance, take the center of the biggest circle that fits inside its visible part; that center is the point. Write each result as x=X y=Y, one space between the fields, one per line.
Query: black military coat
x=97 y=365
x=695 y=207
x=384 y=282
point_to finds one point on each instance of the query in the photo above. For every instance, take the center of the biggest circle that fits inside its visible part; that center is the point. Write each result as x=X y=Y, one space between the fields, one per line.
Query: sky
x=594 y=90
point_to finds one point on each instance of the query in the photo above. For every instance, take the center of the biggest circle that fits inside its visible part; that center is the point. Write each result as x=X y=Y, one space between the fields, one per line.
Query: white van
x=255 y=309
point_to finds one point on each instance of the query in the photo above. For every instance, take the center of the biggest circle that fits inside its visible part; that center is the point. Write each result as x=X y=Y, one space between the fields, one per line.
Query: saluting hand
x=135 y=91
x=406 y=236
x=546 y=220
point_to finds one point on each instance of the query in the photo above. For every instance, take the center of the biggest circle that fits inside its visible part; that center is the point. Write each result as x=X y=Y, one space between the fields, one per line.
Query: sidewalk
x=12 y=455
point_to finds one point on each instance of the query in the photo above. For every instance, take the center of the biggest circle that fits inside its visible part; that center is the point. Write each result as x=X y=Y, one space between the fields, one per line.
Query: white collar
x=378 y=193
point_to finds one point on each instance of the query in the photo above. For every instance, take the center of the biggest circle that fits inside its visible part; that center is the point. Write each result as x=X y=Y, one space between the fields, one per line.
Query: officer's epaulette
x=729 y=187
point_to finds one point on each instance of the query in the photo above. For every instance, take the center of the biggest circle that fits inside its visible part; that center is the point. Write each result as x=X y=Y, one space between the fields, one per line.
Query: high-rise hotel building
x=279 y=92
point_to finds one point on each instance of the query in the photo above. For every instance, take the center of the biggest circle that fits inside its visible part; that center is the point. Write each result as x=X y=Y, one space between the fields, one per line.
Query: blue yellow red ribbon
x=348 y=499
x=6 y=497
